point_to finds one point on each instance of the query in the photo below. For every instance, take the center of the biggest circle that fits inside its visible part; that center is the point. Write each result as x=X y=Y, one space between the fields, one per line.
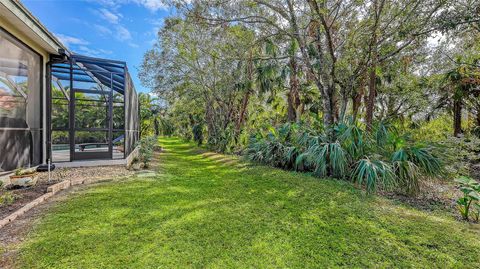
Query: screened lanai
x=94 y=109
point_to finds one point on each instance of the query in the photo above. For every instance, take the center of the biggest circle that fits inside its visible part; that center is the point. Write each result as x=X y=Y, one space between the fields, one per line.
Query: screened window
x=20 y=104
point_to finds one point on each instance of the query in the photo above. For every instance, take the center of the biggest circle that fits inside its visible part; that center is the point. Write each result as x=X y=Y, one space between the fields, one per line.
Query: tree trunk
x=372 y=84
x=372 y=91
x=246 y=98
x=328 y=109
x=343 y=108
x=457 y=116
x=209 y=118
x=293 y=97
x=357 y=100
x=243 y=109
x=156 y=126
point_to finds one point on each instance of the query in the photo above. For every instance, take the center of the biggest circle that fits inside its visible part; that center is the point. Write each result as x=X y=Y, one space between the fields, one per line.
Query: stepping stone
x=147 y=173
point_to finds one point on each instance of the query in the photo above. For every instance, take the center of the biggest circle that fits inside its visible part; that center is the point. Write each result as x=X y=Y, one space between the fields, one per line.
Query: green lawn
x=211 y=211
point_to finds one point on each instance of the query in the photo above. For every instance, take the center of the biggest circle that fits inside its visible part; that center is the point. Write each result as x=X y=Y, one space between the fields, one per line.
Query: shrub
x=373 y=173
x=469 y=203
x=7 y=199
x=410 y=163
x=326 y=158
x=382 y=158
x=146 y=147
x=460 y=153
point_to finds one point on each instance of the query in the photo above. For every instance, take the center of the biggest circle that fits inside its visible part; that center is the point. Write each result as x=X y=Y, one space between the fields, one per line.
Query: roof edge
x=52 y=39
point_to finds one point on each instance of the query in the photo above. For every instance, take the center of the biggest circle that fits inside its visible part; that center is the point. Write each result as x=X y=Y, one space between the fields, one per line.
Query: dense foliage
x=308 y=85
x=383 y=158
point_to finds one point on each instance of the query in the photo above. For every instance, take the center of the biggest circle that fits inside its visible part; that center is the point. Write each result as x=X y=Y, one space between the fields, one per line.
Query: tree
x=149 y=115
x=234 y=66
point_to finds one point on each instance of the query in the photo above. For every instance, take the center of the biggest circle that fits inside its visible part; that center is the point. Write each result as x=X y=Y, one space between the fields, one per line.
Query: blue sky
x=114 y=29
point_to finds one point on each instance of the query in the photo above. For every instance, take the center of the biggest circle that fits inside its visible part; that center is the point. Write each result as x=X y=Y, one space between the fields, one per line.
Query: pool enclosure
x=58 y=105
x=93 y=109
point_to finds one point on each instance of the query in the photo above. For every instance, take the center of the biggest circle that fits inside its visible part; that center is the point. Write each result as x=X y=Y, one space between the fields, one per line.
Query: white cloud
x=81 y=46
x=109 y=13
x=102 y=29
x=116 y=30
x=70 y=40
x=109 y=16
x=152 y=5
x=122 y=33
x=93 y=52
x=152 y=42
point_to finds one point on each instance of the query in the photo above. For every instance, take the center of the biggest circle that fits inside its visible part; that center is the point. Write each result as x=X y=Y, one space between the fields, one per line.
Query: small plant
x=469 y=205
x=147 y=145
x=327 y=158
x=7 y=199
x=23 y=172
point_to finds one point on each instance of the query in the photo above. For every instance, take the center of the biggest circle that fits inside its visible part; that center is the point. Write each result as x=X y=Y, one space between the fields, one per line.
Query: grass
x=212 y=211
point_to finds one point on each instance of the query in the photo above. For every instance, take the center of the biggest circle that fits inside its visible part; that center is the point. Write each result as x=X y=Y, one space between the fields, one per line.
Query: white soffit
x=18 y=16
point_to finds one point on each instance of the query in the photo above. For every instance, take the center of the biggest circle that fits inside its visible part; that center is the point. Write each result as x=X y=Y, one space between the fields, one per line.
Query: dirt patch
x=434 y=195
x=61 y=174
x=23 y=197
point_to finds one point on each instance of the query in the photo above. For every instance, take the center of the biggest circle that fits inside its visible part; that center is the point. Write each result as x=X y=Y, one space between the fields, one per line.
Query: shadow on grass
x=203 y=211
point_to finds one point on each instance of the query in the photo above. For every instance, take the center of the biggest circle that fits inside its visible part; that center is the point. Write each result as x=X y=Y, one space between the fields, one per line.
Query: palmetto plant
x=353 y=139
x=412 y=163
x=327 y=159
x=381 y=159
x=274 y=148
x=373 y=173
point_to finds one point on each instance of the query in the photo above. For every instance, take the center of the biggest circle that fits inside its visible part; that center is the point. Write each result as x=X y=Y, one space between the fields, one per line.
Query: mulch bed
x=23 y=196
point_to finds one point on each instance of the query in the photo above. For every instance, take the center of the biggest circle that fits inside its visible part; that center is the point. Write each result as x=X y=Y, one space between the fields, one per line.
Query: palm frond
x=373 y=174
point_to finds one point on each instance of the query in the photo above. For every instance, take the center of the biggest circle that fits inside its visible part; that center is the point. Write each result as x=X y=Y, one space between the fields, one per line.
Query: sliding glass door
x=20 y=104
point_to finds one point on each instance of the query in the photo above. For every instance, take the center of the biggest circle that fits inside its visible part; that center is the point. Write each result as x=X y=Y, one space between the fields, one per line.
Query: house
x=58 y=105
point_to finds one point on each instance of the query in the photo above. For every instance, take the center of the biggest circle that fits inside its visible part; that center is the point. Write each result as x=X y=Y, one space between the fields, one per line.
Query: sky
x=113 y=29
